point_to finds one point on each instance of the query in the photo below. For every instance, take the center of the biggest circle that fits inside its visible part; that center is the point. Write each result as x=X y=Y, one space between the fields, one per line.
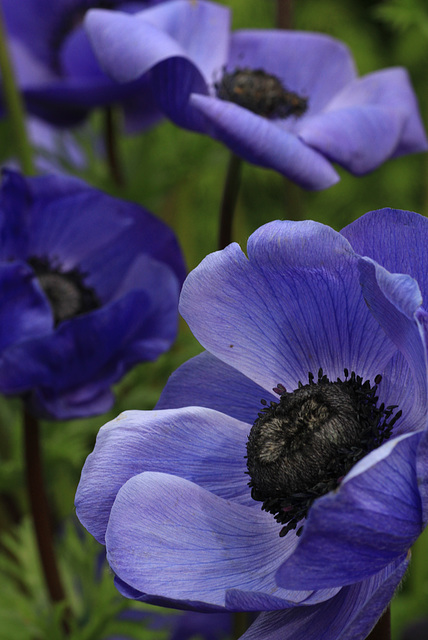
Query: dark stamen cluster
x=301 y=447
x=261 y=93
x=67 y=294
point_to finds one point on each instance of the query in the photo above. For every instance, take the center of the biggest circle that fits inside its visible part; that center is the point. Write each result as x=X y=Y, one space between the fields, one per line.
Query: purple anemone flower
x=289 y=101
x=284 y=469
x=56 y=69
x=89 y=286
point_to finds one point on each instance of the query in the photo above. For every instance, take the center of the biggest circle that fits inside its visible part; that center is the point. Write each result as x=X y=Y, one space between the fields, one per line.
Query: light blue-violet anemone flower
x=284 y=469
x=89 y=287
x=286 y=100
x=56 y=69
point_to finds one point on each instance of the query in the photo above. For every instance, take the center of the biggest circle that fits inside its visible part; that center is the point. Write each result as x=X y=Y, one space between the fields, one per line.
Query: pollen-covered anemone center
x=67 y=294
x=261 y=93
x=301 y=447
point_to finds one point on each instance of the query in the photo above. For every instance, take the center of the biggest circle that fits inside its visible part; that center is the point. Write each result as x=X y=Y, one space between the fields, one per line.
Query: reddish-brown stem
x=111 y=145
x=284 y=14
x=40 y=510
x=382 y=630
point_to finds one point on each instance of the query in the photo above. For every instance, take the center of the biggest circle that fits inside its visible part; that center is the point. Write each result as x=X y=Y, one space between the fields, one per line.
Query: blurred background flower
x=56 y=70
x=89 y=288
x=290 y=101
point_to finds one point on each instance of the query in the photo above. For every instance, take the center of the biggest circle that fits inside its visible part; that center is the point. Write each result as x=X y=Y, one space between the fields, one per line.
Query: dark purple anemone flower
x=289 y=101
x=89 y=287
x=284 y=469
x=56 y=69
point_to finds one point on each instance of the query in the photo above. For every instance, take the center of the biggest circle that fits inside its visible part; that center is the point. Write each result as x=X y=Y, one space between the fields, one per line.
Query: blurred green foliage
x=179 y=177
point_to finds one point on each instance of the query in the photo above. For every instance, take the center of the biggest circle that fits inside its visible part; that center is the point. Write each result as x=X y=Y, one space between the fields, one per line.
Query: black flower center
x=261 y=93
x=67 y=294
x=301 y=447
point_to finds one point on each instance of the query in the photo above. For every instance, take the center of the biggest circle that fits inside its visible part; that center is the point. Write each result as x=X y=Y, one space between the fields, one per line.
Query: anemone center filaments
x=261 y=93
x=66 y=291
x=301 y=447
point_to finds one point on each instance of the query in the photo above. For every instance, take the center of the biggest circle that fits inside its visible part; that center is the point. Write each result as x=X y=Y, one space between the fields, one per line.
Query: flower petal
x=294 y=306
x=368 y=522
x=206 y=381
x=25 y=312
x=170 y=538
x=263 y=142
x=371 y=119
x=14 y=210
x=358 y=138
x=376 y=236
x=422 y=473
x=394 y=299
x=350 y=615
x=201 y=445
x=129 y=46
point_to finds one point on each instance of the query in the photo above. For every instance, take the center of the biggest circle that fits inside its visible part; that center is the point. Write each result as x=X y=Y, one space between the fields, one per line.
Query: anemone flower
x=56 y=69
x=284 y=469
x=89 y=288
x=289 y=101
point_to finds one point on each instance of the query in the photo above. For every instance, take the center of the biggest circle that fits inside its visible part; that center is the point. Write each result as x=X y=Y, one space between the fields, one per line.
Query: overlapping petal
x=206 y=381
x=57 y=72
x=352 y=533
x=208 y=446
x=26 y=313
x=350 y=615
x=222 y=545
x=129 y=46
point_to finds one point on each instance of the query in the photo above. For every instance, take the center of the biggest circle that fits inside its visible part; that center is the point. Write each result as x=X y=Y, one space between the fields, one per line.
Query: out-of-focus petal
x=25 y=311
x=310 y=64
x=129 y=46
x=262 y=142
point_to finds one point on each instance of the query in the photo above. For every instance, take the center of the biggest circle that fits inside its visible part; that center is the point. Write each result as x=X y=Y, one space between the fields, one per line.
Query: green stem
x=241 y=622
x=418 y=574
x=15 y=105
x=229 y=199
x=112 y=147
x=382 y=630
x=40 y=511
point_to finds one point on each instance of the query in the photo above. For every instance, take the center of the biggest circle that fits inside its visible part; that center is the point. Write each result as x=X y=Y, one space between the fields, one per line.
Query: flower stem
x=229 y=199
x=40 y=511
x=15 y=105
x=284 y=14
x=112 y=147
x=382 y=630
